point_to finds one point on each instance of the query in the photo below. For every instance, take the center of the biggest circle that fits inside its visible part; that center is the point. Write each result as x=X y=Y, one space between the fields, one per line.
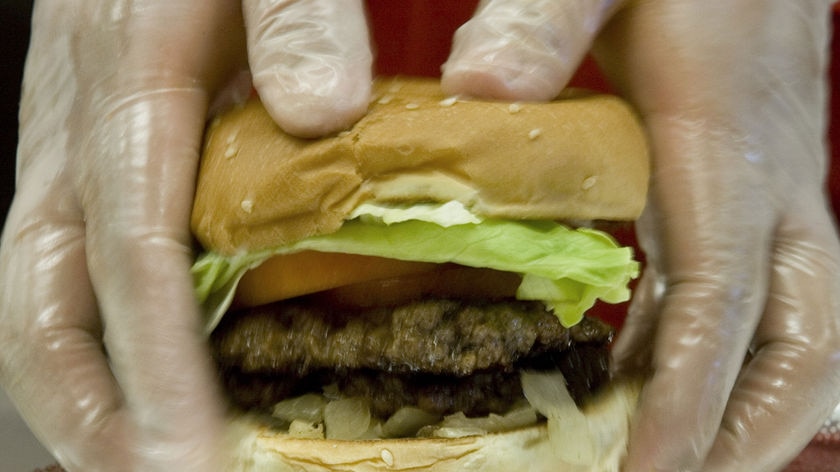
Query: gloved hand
x=102 y=347
x=737 y=316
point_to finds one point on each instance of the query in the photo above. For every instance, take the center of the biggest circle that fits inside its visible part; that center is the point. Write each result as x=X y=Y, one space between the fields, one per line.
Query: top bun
x=580 y=157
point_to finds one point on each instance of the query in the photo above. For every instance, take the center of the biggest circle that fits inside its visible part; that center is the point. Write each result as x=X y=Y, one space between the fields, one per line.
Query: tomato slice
x=365 y=281
x=291 y=275
x=446 y=281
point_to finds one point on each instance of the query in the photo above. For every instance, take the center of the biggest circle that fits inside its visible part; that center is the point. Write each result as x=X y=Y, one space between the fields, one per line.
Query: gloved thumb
x=523 y=49
x=311 y=62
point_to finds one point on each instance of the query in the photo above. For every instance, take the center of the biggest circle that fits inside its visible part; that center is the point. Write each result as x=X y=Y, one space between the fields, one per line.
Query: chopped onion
x=595 y=437
x=449 y=433
x=331 y=392
x=348 y=418
x=374 y=431
x=493 y=423
x=568 y=428
x=459 y=425
x=306 y=430
x=308 y=408
x=406 y=421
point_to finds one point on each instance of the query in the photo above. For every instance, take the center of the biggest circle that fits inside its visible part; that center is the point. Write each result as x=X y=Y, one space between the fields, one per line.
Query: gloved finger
x=139 y=257
x=523 y=49
x=53 y=366
x=731 y=152
x=711 y=300
x=688 y=321
x=135 y=177
x=311 y=62
x=792 y=382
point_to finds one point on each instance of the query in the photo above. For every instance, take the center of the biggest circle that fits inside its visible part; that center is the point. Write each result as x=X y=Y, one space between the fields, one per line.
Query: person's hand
x=737 y=316
x=103 y=352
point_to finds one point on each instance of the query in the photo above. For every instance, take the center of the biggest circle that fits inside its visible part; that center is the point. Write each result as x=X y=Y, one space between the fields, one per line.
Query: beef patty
x=442 y=355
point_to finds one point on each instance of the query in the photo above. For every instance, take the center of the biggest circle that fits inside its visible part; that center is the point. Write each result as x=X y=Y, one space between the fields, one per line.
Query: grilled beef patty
x=442 y=355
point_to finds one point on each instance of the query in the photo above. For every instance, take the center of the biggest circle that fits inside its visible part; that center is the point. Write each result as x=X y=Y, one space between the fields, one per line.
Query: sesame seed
x=448 y=102
x=387 y=457
x=588 y=182
x=534 y=134
x=514 y=108
x=247 y=206
x=411 y=106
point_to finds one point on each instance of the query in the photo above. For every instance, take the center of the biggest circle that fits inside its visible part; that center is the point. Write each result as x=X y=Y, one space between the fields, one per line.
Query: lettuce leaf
x=568 y=269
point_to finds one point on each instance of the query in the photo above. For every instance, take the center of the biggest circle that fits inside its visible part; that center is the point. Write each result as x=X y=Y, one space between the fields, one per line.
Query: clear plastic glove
x=744 y=261
x=102 y=347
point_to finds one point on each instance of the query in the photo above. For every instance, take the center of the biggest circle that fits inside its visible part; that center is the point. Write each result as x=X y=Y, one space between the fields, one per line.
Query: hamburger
x=411 y=294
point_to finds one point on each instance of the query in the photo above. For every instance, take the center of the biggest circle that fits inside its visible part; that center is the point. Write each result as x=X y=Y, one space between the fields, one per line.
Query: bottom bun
x=604 y=435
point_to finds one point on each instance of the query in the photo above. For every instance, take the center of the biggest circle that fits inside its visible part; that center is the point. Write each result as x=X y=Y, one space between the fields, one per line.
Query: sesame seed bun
x=580 y=157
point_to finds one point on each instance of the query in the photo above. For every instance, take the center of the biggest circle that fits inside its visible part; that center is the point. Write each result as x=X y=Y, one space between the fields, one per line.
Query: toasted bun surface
x=582 y=156
x=529 y=448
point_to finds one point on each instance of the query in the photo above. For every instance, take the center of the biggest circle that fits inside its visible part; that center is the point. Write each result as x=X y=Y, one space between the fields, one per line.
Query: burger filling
x=443 y=356
x=437 y=315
